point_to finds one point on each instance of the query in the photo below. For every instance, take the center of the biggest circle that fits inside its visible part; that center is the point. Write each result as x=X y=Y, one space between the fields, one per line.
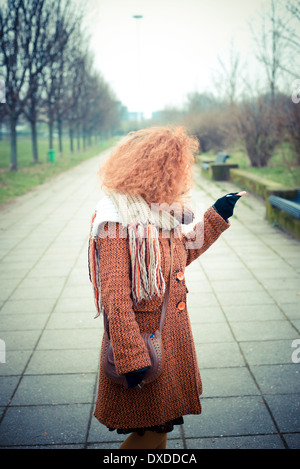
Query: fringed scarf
x=142 y=223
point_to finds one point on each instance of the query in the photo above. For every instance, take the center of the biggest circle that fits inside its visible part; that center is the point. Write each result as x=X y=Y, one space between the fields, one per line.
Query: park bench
x=220 y=158
x=292 y=207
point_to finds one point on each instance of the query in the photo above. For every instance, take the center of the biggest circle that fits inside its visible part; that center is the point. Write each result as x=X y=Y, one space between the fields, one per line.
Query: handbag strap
x=167 y=291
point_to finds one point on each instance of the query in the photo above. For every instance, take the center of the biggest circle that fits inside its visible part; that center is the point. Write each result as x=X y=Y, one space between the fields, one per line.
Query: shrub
x=256 y=123
x=212 y=128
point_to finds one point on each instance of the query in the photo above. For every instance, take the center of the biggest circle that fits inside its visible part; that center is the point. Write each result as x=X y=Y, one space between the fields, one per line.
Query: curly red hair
x=155 y=163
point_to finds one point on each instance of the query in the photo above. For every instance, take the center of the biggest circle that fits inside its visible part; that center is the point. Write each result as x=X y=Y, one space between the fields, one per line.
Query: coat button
x=181 y=305
x=180 y=276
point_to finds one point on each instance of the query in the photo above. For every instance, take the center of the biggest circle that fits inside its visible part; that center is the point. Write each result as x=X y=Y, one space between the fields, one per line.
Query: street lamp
x=137 y=18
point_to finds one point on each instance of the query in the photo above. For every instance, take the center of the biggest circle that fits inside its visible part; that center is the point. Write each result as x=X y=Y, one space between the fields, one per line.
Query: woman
x=146 y=181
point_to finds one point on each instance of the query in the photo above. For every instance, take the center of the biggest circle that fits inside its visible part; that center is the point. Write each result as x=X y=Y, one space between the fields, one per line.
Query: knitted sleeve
x=204 y=234
x=130 y=352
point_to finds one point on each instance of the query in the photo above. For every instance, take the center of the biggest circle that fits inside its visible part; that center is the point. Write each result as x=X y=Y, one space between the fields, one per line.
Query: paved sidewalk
x=244 y=307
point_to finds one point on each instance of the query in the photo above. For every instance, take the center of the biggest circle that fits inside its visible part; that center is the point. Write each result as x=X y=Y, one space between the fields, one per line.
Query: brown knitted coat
x=176 y=392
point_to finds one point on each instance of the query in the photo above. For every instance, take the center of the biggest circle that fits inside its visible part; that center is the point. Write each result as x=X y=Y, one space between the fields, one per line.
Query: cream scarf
x=142 y=223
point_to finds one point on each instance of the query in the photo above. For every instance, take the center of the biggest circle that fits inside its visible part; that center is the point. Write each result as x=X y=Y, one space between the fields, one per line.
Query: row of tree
x=49 y=73
x=260 y=115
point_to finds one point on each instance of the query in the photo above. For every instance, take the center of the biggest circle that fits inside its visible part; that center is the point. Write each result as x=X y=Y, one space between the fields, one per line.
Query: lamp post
x=137 y=18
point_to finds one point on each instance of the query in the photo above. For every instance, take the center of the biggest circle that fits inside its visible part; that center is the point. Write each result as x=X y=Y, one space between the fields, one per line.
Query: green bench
x=220 y=158
x=292 y=207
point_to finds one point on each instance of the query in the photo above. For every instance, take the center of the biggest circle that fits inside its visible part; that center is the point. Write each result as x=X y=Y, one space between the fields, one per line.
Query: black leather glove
x=225 y=205
x=135 y=377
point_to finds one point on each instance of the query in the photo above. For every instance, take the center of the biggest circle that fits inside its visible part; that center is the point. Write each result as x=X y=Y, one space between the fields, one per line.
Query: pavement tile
x=75 y=292
x=43 y=282
x=282 y=284
x=7 y=385
x=174 y=443
x=7 y=286
x=206 y=314
x=237 y=442
x=268 y=352
x=28 y=306
x=296 y=323
x=70 y=339
x=10 y=273
x=20 y=340
x=199 y=286
x=285 y=409
x=209 y=332
x=256 y=312
x=112 y=445
x=222 y=354
x=264 y=330
x=68 y=361
x=230 y=416
x=291 y=310
x=77 y=321
x=22 y=322
x=278 y=379
x=238 y=285
x=292 y=440
x=73 y=305
x=55 y=389
x=203 y=299
x=235 y=381
x=49 y=271
x=263 y=271
x=213 y=262
x=229 y=274
x=286 y=296
x=243 y=298
x=16 y=361
x=52 y=424
x=50 y=446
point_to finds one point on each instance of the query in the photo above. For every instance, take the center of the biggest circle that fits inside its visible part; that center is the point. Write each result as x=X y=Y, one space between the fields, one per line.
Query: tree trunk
x=78 y=138
x=34 y=142
x=71 y=140
x=13 y=144
x=50 y=134
x=59 y=127
x=84 y=138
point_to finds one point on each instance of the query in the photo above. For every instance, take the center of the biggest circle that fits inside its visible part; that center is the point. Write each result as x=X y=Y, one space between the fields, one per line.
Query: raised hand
x=225 y=205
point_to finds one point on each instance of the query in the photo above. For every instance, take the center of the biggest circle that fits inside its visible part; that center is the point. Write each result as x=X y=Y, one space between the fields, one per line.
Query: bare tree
x=32 y=33
x=200 y=102
x=271 y=46
x=229 y=77
x=72 y=90
x=17 y=40
x=31 y=111
x=291 y=35
x=288 y=117
x=53 y=74
x=257 y=128
x=22 y=26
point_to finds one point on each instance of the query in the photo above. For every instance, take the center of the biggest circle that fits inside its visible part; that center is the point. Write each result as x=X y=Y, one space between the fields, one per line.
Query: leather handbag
x=152 y=341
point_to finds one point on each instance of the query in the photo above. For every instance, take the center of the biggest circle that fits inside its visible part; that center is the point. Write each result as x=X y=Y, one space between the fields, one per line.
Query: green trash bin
x=51 y=155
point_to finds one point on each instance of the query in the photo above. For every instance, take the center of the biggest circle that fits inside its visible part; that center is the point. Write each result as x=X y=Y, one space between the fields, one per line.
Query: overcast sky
x=173 y=50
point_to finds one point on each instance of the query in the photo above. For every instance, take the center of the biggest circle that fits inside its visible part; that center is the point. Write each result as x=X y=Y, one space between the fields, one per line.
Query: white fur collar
x=105 y=211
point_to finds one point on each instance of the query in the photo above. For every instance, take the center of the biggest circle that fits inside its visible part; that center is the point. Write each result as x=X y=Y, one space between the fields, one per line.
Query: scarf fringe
x=94 y=270
x=147 y=278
